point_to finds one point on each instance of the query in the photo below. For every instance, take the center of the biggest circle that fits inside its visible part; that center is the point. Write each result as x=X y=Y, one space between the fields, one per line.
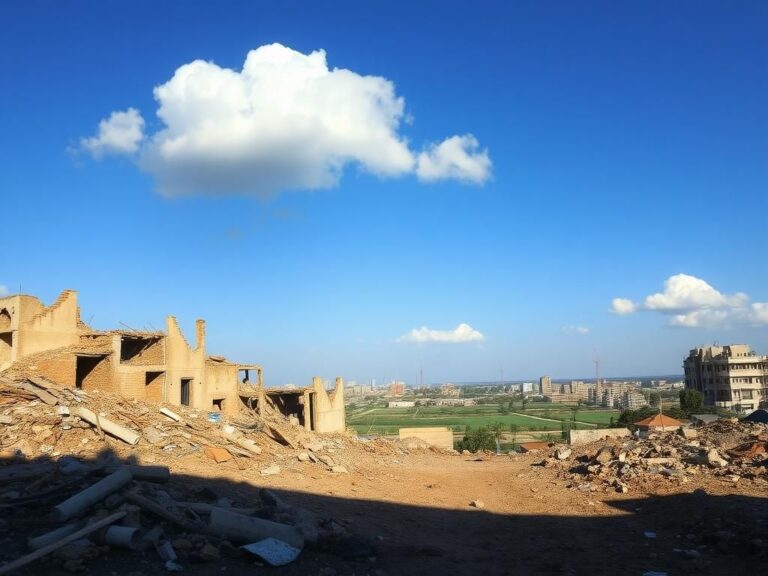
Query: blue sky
x=511 y=166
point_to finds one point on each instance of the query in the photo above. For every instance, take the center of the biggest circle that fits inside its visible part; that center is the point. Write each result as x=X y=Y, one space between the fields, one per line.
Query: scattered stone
x=327 y=460
x=563 y=453
x=153 y=435
x=477 y=504
x=270 y=471
x=182 y=544
x=714 y=460
x=689 y=433
x=303 y=457
x=339 y=470
x=604 y=455
x=209 y=552
x=692 y=553
x=218 y=455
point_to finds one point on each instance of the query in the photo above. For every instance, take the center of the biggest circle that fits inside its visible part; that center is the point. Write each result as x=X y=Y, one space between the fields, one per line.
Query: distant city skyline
x=372 y=191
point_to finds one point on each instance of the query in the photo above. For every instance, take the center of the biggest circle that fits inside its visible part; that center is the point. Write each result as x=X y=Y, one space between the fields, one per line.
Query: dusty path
x=415 y=509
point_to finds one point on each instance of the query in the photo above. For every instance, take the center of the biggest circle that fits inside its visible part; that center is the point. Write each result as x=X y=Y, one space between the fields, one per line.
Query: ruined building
x=53 y=342
x=732 y=377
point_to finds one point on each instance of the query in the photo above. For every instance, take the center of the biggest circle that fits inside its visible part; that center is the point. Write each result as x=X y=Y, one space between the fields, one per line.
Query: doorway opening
x=186 y=390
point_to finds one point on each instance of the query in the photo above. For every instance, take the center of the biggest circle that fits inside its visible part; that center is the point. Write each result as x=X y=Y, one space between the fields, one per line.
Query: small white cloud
x=572 y=329
x=121 y=133
x=455 y=158
x=3 y=290
x=622 y=306
x=284 y=121
x=693 y=303
x=462 y=333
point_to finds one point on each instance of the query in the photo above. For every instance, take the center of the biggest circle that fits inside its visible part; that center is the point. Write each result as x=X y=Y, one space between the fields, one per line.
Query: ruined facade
x=53 y=342
x=732 y=376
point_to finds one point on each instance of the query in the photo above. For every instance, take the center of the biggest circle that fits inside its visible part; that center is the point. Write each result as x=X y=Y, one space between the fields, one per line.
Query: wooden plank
x=37 y=554
x=46 y=397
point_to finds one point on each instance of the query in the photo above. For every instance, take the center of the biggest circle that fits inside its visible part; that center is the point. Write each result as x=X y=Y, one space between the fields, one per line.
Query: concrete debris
x=728 y=449
x=53 y=443
x=563 y=453
x=270 y=470
x=274 y=552
x=218 y=455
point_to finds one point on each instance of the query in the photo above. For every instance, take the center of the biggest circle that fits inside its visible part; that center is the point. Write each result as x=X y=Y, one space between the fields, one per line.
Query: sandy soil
x=415 y=509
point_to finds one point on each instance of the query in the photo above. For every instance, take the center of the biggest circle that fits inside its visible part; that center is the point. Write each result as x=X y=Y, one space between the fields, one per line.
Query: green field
x=537 y=417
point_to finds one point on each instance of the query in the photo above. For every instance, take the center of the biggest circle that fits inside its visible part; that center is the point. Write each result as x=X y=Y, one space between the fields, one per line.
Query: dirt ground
x=397 y=507
x=416 y=510
x=411 y=513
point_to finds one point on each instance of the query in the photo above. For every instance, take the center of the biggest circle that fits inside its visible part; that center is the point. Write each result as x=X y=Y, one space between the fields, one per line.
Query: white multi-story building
x=732 y=377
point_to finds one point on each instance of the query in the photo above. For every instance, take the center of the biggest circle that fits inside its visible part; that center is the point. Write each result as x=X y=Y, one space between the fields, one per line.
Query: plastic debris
x=273 y=551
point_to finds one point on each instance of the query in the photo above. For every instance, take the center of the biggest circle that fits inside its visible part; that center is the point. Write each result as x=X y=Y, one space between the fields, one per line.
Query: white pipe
x=251 y=529
x=172 y=415
x=108 y=426
x=88 y=497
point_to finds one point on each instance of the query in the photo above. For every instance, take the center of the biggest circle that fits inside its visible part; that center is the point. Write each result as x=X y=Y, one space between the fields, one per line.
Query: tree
x=474 y=440
x=498 y=432
x=514 y=428
x=525 y=403
x=654 y=399
x=691 y=400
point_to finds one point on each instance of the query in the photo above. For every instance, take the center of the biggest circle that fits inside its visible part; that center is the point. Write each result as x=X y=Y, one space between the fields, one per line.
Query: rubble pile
x=131 y=509
x=727 y=449
x=38 y=418
x=91 y=456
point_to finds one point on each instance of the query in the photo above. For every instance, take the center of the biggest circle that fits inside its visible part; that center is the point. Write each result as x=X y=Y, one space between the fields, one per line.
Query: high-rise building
x=396 y=388
x=545 y=385
x=732 y=377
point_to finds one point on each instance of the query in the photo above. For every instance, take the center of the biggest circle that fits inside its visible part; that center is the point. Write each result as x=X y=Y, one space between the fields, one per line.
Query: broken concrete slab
x=218 y=455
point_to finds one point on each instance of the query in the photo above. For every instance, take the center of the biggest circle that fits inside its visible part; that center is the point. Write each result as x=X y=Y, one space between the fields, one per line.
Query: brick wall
x=60 y=369
x=148 y=353
x=100 y=378
x=153 y=386
x=132 y=384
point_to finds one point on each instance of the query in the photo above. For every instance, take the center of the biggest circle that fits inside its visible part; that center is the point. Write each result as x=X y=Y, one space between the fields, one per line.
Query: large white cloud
x=286 y=121
x=685 y=292
x=121 y=133
x=458 y=158
x=462 y=333
x=692 y=303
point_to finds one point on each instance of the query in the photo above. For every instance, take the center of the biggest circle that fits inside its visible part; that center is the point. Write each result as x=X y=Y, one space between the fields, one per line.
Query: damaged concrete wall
x=221 y=387
x=576 y=437
x=329 y=414
x=162 y=367
x=47 y=328
x=185 y=367
x=28 y=327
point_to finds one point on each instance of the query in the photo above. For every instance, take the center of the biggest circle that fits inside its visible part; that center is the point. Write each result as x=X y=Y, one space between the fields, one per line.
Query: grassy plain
x=377 y=419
